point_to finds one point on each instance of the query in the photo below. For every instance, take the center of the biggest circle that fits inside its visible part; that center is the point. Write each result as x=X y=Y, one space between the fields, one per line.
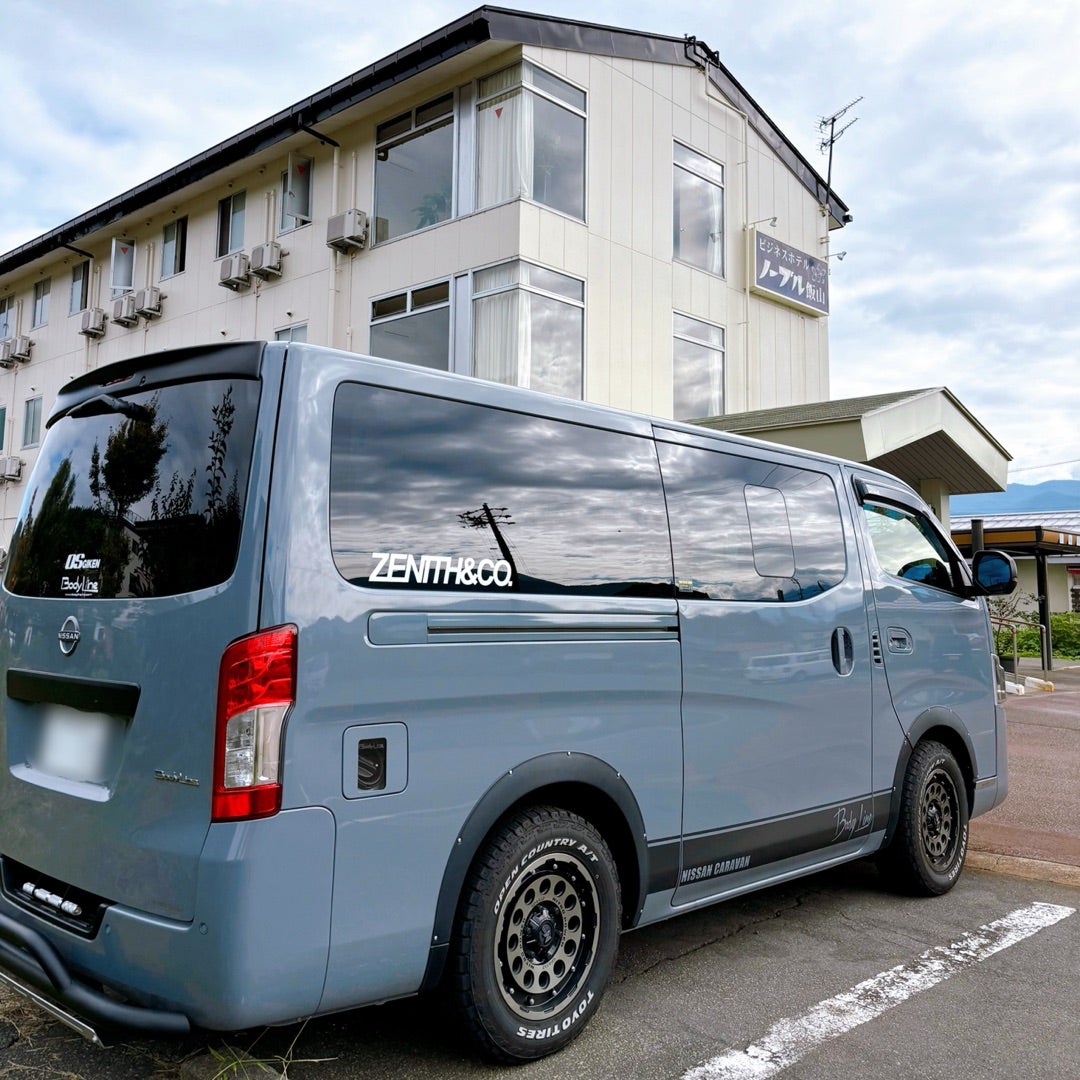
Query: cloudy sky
x=962 y=171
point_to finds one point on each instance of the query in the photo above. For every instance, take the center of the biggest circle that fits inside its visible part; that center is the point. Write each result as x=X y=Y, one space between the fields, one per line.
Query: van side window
x=906 y=545
x=427 y=493
x=750 y=530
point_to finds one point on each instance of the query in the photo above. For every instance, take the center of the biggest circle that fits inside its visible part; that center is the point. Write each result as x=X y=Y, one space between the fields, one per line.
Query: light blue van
x=328 y=680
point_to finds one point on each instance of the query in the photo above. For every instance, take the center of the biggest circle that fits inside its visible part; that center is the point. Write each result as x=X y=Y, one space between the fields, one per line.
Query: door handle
x=843 y=651
x=899 y=640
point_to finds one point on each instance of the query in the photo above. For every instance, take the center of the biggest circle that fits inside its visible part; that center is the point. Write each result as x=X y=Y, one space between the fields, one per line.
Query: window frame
x=524 y=285
x=525 y=85
x=702 y=173
x=179 y=246
x=399 y=136
x=39 y=308
x=287 y=221
x=118 y=261
x=7 y=310
x=32 y=414
x=288 y=333
x=411 y=310
x=227 y=242
x=79 y=299
x=685 y=334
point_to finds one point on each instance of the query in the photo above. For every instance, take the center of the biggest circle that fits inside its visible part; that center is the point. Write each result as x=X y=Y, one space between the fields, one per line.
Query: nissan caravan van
x=328 y=680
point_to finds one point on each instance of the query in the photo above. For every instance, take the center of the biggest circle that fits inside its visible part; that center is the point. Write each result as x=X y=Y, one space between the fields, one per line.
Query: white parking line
x=789 y=1040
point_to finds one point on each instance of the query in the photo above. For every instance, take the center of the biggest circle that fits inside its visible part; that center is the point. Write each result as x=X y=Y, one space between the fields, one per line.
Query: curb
x=1031 y=869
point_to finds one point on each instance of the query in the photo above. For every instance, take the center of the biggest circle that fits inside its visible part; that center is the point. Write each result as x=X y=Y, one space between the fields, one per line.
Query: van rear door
x=135 y=561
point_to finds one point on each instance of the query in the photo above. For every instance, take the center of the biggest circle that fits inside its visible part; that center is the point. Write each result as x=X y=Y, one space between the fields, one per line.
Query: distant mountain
x=1051 y=495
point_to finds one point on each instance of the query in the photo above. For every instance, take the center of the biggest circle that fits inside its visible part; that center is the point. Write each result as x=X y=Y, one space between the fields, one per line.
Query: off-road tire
x=927 y=852
x=537 y=934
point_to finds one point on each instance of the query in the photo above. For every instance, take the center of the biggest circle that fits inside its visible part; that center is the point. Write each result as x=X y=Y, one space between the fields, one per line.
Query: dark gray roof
x=1064 y=521
x=817 y=412
x=479 y=26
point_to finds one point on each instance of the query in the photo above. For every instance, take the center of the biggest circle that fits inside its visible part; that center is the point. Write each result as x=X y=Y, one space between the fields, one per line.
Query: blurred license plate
x=74 y=744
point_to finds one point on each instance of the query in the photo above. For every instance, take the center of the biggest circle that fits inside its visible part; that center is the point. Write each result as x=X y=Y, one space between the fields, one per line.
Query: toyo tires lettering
x=548 y=845
x=565 y=1024
x=403 y=569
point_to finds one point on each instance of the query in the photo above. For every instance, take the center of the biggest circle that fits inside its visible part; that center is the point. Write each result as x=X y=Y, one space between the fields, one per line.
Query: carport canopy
x=1037 y=534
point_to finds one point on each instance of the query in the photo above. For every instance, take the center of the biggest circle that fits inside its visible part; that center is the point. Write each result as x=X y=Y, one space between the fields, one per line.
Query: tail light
x=256 y=688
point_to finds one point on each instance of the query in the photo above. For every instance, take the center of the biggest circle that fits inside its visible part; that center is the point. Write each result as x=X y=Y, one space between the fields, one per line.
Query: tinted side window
x=906 y=545
x=743 y=529
x=434 y=494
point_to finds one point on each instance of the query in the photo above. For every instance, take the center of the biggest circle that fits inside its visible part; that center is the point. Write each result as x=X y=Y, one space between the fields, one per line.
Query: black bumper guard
x=26 y=957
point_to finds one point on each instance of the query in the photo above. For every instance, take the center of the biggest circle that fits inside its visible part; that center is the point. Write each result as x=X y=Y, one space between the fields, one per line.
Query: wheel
x=537 y=934
x=927 y=853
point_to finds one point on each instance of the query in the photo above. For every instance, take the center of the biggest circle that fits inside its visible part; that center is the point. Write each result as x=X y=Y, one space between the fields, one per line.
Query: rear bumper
x=255 y=953
x=32 y=967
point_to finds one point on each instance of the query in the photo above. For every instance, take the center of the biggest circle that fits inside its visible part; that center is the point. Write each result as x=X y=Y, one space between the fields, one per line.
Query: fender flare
x=934 y=718
x=513 y=787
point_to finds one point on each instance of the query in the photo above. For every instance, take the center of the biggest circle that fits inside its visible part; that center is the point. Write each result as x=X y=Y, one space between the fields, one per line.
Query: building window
x=174 y=248
x=32 y=422
x=296 y=333
x=41 y=303
x=414 y=326
x=697 y=360
x=698 y=235
x=531 y=140
x=121 y=266
x=295 y=194
x=231 y=223
x=7 y=307
x=414 y=169
x=3 y=427
x=528 y=328
x=80 y=287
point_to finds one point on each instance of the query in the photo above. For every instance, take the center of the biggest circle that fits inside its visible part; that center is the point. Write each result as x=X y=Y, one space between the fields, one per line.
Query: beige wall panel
x=648 y=144
x=637 y=309
x=598 y=147
x=622 y=149
x=659 y=359
x=620 y=334
x=598 y=322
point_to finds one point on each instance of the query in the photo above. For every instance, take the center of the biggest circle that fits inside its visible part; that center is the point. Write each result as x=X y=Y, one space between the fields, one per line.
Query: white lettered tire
x=537 y=934
x=927 y=853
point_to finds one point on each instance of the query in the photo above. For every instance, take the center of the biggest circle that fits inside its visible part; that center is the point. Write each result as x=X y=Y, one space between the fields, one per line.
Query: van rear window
x=139 y=496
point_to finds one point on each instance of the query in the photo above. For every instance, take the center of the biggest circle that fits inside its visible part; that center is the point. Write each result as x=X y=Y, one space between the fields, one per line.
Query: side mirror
x=994 y=572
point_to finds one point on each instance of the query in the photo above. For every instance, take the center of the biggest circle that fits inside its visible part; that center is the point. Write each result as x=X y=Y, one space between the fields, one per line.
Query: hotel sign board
x=784 y=273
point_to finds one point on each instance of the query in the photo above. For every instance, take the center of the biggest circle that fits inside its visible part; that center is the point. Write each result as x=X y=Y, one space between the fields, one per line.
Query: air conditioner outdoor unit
x=123 y=310
x=148 y=303
x=266 y=259
x=348 y=231
x=6 y=359
x=93 y=322
x=20 y=348
x=10 y=468
x=234 y=272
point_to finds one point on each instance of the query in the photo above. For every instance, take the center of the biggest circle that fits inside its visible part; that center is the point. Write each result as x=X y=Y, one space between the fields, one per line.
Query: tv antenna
x=828 y=124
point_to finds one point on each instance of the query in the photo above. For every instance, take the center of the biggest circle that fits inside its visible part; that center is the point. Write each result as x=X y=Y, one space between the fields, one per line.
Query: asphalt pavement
x=1036 y=831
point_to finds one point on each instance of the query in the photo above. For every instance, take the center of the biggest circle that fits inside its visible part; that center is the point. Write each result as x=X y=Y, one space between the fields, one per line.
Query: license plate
x=74 y=744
